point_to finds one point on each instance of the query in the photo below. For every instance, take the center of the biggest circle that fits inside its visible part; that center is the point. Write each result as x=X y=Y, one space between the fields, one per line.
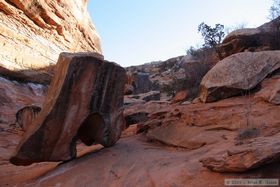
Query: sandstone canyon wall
x=32 y=35
x=35 y=32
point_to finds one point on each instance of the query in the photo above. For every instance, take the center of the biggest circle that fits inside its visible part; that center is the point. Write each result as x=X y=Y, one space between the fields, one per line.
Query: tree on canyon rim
x=212 y=35
x=274 y=10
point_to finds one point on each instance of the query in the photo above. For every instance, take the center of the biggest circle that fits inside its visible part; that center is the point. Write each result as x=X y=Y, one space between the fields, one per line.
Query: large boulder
x=239 y=72
x=34 y=33
x=265 y=37
x=85 y=101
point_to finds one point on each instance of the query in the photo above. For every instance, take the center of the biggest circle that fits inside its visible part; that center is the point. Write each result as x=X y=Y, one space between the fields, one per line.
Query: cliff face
x=34 y=32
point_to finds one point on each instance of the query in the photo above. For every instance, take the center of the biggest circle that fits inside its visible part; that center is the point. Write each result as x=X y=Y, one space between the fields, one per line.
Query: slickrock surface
x=134 y=162
x=34 y=33
x=197 y=125
x=258 y=152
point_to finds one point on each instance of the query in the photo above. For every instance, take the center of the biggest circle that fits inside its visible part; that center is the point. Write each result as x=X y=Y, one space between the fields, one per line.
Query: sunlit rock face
x=237 y=73
x=34 y=32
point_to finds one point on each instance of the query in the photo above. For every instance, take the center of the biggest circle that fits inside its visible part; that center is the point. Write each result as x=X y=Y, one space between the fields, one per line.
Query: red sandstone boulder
x=236 y=73
x=85 y=101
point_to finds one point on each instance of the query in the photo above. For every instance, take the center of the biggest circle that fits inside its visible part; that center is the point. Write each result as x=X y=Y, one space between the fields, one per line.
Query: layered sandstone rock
x=236 y=73
x=85 y=101
x=265 y=37
x=185 y=136
x=201 y=125
x=152 y=76
x=181 y=74
x=134 y=161
x=34 y=33
x=258 y=152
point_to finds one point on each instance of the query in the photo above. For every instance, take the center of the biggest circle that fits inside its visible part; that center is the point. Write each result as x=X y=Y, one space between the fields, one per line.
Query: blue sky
x=139 y=31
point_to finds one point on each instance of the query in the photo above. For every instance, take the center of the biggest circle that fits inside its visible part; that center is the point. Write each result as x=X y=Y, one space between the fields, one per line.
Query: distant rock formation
x=183 y=73
x=34 y=33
